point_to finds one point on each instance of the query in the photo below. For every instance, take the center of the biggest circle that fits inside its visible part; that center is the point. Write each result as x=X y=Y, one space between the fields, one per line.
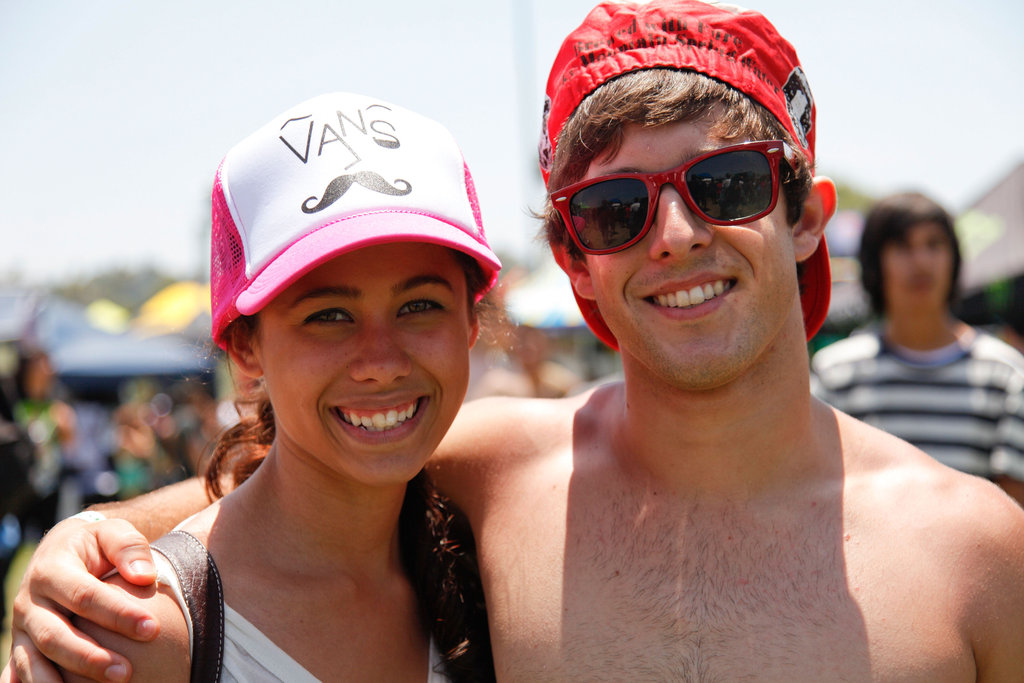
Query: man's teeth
x=692 y=296
x=378 y=422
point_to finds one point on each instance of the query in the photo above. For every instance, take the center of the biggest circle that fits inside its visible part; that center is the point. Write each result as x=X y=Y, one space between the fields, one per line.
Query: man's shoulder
x=940 y=533
x=886 y=473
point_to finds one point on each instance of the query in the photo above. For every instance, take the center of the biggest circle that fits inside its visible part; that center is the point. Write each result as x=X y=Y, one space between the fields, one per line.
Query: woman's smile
x=380 y=420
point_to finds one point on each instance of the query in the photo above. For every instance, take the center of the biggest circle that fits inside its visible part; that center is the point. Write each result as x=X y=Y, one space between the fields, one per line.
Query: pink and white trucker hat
x=331 y=175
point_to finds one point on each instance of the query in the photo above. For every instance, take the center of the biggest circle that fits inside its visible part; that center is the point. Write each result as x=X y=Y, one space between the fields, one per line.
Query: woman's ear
x=576 y=269
x=474 y=331
x=819 y=208
x=241 y=348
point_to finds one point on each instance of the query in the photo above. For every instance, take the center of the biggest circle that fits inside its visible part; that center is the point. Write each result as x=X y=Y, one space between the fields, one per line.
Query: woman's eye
x=330 y=315
x=420 y=306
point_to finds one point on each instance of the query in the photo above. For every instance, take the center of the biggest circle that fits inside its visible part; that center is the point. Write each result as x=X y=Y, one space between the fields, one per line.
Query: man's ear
x=242 y=351
x=576 y=269
x=819 y=208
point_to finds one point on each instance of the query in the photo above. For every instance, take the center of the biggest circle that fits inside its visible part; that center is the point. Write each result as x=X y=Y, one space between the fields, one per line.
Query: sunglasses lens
x=609 y=214
x=731 y=186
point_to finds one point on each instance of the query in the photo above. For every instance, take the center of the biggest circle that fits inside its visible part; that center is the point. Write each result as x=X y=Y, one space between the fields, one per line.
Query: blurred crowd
x=62 y=453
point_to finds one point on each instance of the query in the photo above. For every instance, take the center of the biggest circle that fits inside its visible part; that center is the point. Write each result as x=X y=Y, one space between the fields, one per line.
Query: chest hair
x=706 y=592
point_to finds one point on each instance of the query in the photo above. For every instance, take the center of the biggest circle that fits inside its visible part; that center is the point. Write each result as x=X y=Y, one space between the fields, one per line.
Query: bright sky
x=115 y=113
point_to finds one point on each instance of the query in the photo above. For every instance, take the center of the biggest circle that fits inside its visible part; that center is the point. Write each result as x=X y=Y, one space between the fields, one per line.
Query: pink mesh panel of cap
x=227 y=263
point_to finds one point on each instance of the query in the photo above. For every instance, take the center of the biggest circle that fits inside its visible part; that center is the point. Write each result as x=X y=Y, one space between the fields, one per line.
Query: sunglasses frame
x=770 y=149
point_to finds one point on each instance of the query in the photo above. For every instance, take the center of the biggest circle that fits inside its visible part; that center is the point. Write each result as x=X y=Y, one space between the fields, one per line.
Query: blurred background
x=115 y=115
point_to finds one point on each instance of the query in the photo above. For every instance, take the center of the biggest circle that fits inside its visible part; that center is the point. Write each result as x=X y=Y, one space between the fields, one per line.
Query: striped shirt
x=965 y=408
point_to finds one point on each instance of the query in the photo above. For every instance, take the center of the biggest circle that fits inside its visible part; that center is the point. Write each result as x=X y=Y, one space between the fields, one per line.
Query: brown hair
x=654 y=97
x=437 y=545
x=889 y=220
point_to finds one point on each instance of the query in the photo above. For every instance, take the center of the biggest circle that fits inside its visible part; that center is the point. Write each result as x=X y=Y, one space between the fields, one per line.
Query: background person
x=50 y=423
x=919 y=372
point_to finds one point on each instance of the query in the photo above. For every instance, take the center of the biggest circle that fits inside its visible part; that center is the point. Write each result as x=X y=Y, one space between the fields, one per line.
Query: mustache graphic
x=368 y=179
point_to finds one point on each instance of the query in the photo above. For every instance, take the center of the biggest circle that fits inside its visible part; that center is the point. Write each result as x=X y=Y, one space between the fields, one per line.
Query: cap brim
x=380 y=227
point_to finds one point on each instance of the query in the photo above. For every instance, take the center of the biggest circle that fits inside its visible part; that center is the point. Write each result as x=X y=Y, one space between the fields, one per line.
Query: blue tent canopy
x=89 y=360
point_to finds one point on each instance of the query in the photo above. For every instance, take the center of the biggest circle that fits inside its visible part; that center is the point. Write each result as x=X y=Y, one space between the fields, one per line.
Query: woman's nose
x=380 y=358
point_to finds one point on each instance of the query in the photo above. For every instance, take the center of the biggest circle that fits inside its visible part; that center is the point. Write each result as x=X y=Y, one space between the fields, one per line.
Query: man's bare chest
x=628 y=591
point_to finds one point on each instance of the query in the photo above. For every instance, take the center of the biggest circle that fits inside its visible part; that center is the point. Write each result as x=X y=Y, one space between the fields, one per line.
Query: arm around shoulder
x=61 y=578
x=492 y=435
x=167 y=658
x=157 y=512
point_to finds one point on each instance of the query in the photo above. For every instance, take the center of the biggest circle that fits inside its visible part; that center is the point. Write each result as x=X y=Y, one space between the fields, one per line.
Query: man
x=705 y=519
x=921 y=374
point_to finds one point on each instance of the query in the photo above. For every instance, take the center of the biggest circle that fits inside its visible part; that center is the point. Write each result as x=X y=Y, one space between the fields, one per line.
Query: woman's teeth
x=378 y=422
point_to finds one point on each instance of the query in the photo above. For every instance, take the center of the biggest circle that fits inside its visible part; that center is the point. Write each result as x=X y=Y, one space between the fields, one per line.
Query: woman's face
x=366 y=360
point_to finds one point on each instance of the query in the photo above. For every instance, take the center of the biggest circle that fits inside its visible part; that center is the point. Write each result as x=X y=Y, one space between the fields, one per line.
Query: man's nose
x=676 y=229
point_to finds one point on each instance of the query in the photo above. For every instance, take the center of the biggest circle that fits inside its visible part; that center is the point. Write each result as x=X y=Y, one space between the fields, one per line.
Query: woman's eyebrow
x=421 y=280
x=353 y=292
x=343 y=291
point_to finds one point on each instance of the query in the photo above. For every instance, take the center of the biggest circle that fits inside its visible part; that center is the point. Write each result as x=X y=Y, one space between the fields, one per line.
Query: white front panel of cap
x=338 y=156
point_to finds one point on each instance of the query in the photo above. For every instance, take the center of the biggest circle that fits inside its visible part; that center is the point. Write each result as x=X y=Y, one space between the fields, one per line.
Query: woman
x=348 y=257
x=50 y=423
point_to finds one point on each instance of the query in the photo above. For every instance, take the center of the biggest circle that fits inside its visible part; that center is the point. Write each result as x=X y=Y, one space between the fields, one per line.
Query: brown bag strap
x=200 y=584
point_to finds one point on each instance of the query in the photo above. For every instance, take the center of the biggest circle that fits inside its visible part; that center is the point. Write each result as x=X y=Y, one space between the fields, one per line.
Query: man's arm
x=996 y=611
x=157 y=512
x=62 y=579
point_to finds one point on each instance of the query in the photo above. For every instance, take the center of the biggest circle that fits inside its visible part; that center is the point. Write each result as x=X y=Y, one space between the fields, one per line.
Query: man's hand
x=63 y=578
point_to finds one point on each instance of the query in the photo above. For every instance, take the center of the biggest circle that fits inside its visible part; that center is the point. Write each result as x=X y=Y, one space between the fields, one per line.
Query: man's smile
x=693 y=296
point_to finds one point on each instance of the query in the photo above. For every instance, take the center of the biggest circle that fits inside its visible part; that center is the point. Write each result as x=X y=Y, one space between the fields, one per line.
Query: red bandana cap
x=738 y=47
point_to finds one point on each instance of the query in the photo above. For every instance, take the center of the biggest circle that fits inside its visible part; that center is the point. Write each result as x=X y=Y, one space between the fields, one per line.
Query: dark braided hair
x=437 y=546
x=439 y=555
x=890 y=220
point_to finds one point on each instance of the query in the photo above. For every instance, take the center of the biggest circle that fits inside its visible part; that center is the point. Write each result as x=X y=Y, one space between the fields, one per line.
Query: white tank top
x=251 y=656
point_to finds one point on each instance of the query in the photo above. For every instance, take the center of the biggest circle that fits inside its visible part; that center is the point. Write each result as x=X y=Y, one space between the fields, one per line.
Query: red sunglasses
x=736 y=184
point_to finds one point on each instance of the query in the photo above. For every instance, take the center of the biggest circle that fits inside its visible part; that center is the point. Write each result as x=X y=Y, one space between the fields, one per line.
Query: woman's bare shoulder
x=164 y=659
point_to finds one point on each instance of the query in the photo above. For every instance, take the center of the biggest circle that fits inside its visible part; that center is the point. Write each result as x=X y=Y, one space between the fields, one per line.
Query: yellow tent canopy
x=174 y=309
